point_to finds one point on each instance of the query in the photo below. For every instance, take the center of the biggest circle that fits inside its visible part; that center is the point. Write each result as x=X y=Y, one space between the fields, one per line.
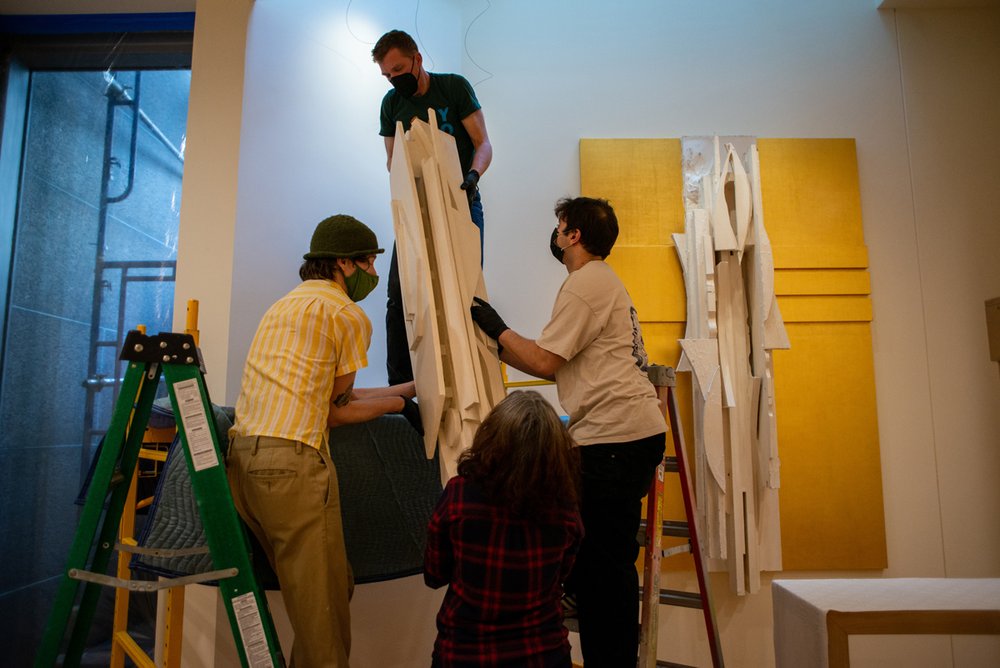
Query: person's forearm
x=363 y=410
x=482 y=158
x=407 y=390
x=388 y=152
x=525 y=355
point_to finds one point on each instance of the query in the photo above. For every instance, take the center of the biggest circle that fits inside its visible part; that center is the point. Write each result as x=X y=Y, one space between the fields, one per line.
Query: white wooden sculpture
x=733 y=323
x=455 y=365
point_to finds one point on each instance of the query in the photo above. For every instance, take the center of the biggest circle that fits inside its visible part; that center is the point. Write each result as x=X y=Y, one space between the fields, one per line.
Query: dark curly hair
x=594 y=218
x=522 y=456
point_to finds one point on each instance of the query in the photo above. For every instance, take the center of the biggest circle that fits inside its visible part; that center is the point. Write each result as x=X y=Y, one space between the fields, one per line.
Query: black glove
x=471 y=179
x=487 y=318
x=469 y=185
x=412 y=414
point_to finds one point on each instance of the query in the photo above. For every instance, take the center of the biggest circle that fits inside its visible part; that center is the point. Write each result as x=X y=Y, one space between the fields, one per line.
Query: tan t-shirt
x=603 y=385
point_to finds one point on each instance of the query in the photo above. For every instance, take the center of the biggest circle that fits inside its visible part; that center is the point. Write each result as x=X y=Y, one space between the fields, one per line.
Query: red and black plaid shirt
x=505 y=576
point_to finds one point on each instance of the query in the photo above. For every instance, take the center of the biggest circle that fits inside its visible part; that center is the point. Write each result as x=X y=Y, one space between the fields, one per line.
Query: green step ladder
x=177 y=359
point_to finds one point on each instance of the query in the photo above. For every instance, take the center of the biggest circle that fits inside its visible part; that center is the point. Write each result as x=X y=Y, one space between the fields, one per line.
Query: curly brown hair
x=523 y=457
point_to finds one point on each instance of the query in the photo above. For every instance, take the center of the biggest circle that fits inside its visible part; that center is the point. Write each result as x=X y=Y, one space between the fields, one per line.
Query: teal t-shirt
x=452 y=99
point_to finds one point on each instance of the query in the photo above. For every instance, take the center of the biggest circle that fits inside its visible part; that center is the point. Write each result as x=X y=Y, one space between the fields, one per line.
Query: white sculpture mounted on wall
x=455 y=365
x=733 y=323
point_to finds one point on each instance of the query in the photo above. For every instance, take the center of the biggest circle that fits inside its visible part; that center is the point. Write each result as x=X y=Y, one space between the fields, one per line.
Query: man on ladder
x=593 y=349
x=299 y=381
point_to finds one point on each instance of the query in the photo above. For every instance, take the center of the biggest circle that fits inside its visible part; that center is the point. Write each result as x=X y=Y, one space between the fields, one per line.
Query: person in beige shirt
x=592 y=348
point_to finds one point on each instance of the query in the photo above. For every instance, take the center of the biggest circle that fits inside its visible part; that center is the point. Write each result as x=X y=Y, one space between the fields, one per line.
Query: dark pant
x=397 y=347
x=616 y=477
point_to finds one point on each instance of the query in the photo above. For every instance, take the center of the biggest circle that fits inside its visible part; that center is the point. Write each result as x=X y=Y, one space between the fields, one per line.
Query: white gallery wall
x=917 y=90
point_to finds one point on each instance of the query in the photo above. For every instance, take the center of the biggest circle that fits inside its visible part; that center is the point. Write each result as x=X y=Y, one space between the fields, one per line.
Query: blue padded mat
x=388 y=489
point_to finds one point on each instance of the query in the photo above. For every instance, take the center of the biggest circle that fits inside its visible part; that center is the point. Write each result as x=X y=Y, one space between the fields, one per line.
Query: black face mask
x=557 y=252
x=406 y=83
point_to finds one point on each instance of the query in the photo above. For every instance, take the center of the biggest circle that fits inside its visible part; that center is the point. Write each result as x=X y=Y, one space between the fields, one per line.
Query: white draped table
x=813 y=618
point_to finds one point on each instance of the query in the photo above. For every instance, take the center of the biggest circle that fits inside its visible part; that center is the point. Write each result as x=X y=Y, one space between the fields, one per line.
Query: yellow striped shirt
x=306 y=339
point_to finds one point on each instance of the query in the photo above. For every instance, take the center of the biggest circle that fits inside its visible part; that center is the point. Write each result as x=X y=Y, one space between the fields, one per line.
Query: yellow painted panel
x=831 y=479
x=642 y=180
x=831 y=496
x=661 y=339
x=810 y=192
x=826 y=309
x=821 y=282
x=652 y=275
x=818 y=256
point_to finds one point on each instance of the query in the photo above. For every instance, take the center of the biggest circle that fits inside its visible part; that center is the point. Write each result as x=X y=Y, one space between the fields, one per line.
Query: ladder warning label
x=252 y=631
x=197 y=429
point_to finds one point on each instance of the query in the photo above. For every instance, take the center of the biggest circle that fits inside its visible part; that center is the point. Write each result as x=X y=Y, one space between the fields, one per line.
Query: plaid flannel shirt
x=504 y=575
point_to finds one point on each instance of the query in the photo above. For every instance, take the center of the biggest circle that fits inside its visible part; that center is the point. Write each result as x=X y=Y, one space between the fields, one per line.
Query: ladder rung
x=676 y=528
x=166 y=553
x=684 y=599
x=677 y=549
x=151 y=585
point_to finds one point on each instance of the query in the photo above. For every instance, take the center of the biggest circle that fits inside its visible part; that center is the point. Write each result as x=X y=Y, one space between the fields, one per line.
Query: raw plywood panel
x=737 y=404
x=464 y=238
x=456 y=368
x=460 y=343
x=419 y=299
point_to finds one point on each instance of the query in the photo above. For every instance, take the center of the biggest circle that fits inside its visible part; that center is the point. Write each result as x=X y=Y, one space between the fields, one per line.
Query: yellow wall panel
x=831 y=478
x=822 y=282
x=652 y=275
x=826 y=308
x=816 y=256
x=810 y=191
x=661 y=339
x=642 y=180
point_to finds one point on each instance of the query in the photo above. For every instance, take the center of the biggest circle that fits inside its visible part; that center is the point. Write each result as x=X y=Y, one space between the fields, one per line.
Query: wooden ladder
x=655 y=528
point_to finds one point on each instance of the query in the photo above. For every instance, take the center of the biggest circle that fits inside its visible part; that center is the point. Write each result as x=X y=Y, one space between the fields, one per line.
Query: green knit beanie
x=342 y=236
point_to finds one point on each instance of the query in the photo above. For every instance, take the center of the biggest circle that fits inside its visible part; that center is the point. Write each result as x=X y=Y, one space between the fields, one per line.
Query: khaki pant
x=287 y=493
